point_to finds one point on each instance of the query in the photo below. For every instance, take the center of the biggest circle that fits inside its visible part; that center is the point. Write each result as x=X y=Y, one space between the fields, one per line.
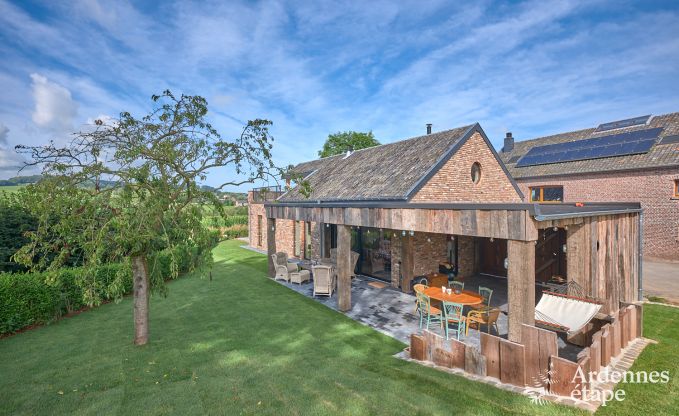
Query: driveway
x=661 y=279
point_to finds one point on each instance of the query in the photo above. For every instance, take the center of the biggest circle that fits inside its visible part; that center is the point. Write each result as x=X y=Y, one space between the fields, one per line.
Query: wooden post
x=577 y=256
x=271 y=244
x=407 y=263
x=343 y=268
x=521 y=286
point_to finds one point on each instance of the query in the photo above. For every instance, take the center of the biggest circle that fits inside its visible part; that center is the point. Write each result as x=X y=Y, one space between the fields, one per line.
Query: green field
x=242 y=343
x=12 y=188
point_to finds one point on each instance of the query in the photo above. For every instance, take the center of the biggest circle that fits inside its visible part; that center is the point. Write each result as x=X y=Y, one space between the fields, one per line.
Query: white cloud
x=4 y=131
x=54 y=106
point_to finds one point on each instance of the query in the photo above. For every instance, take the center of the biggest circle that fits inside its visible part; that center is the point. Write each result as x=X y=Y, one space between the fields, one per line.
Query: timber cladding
x=496 y=223
x=602 y=258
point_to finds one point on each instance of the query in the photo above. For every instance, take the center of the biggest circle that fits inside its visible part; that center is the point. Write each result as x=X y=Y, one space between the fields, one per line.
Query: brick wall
x=285 y=232
x=254 y=210
x=467 y=264
x=652 y=188
x=430 y=251
x=453 y=182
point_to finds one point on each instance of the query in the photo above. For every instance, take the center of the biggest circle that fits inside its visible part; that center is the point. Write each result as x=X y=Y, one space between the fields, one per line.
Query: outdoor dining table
x=465 y=297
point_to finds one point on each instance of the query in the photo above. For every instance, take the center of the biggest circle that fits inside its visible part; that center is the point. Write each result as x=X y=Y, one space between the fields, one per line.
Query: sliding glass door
x=374 y=248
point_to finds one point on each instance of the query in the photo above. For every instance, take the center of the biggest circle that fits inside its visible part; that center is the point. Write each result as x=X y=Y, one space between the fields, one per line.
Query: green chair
x=452 y=315
x=455 y=284
x=486 y=294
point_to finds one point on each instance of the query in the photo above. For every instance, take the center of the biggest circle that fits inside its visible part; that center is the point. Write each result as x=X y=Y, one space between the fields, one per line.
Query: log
x=606 y=346
x=563 y=378
x=417 y=347
x=457 y=349
x=512 y=363
x=490 y=349
x=520 y=287
x=540 y=345
x=474 y=362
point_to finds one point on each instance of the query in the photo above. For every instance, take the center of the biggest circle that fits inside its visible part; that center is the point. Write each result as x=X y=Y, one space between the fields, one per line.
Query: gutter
x=549 y=217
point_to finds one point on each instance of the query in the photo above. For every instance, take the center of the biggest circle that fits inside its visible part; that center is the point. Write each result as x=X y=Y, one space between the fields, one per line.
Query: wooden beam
x=407 y=263
x=271 y=244
x=521 y=286
x=496 y=223
x=343 y=268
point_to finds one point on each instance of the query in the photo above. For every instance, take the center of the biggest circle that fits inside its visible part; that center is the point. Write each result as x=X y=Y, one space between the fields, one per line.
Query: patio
x=392 y=312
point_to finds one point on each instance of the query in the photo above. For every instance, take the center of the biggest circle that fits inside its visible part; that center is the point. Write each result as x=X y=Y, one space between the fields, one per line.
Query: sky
x=314 y=68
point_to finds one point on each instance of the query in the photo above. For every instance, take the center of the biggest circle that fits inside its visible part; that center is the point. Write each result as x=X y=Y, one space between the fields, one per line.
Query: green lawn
x=245 y=344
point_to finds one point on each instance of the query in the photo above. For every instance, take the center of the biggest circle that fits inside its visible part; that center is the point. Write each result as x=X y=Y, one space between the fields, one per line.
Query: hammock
x=565 y=313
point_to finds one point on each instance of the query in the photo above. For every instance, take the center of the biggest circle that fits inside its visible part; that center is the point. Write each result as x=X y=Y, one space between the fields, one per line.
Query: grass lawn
x=242 y=343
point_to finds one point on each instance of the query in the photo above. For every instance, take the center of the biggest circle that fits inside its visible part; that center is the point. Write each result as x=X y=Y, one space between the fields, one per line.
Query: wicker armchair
x=324 y=280
x=283 y=268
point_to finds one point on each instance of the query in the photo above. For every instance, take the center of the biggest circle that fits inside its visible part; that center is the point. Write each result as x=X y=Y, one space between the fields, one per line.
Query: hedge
x=27 y=299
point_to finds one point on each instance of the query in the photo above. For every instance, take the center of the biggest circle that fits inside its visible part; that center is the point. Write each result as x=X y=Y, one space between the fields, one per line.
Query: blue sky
x=313 y=68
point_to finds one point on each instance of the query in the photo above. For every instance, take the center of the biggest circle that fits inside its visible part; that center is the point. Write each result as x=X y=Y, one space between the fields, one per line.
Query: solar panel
x=634 y=142
x=670 y=139
x=629 y=122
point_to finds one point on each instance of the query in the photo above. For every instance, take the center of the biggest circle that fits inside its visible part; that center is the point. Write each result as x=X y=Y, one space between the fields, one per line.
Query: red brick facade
x=285 y=231
x=453 y=182
x=653 y=188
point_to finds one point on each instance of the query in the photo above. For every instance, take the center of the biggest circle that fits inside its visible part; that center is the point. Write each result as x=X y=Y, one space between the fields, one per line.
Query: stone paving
x=387 y=310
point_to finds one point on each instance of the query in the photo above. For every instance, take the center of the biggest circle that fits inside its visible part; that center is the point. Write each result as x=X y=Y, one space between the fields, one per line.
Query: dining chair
x=452 y=314
x=486 y=293
x=456 y=284
x=487 y=316
x=418 y=288
x=433 y=313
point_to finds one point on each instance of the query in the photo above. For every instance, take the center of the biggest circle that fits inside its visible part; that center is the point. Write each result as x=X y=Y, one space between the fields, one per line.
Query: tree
x=151 y=201
x=14 y=223
x=341 y=142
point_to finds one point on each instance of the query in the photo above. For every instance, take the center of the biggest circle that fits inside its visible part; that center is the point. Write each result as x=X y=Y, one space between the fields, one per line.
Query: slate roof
x=660 y=155
x=386 y=172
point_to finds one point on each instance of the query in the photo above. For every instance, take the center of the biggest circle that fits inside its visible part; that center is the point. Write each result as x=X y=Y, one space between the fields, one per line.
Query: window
x=259 y=231
x=307 y=240
x=476 y=172
x=297 y=239
x=676 y=188
x=546 y=194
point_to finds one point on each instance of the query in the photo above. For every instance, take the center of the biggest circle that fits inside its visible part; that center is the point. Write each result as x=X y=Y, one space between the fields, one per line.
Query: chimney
x=428 y=128
x=509 y=143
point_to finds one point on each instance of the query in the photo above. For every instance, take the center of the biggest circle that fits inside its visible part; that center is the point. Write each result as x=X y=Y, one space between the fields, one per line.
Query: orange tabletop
x=465 y=297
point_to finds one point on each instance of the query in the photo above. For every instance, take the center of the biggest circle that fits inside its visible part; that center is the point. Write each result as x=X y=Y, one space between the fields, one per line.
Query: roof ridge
x=464 y=128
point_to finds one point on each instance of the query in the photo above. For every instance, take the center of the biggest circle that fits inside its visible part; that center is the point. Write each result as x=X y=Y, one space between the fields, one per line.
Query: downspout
x=641 y=255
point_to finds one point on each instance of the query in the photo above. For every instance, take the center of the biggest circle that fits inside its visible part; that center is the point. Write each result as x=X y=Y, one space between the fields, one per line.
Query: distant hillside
x=23 y=180
x=20 y=180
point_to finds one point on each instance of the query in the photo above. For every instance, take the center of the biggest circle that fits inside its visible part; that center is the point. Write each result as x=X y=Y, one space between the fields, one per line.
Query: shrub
x=39 y=298
x=235 y=231
x=26 y=300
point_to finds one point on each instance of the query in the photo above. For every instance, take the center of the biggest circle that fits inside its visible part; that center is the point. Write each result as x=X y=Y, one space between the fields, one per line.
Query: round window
x=476 y=172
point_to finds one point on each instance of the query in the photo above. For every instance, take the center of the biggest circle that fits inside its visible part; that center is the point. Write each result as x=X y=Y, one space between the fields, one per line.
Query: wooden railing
x=266 y=193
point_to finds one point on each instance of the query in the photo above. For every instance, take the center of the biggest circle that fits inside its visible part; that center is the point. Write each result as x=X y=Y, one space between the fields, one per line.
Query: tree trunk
x=140 y=277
